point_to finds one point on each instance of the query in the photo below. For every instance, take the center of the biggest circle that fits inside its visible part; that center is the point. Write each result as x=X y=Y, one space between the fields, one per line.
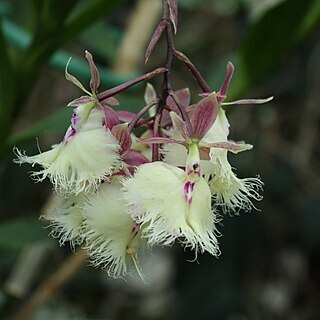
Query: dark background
x=270 y=261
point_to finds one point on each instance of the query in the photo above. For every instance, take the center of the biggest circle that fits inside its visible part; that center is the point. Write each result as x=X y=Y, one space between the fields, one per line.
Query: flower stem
x=113 y=91
x=195 y=72
x=138 y=116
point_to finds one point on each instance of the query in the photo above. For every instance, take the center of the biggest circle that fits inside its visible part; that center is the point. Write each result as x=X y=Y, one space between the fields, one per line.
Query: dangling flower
x=230 y=192
x=112 y=238
x=171 y=204
x=66 y=221
x=88 y=154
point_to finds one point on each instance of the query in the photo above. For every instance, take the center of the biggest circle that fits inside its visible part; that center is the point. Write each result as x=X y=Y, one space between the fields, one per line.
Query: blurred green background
x=270 y=262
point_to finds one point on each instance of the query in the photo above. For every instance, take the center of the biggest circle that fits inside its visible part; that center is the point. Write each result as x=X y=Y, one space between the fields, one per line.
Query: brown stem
x=195 y=72
x=134 y=121
x=166 y=85
x=156 y=127
x=51 y=285
x=113 y=91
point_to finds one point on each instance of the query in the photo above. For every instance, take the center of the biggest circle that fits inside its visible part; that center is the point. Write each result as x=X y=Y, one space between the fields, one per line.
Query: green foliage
x=18 y=233
x=270 y=38
x=53 y=24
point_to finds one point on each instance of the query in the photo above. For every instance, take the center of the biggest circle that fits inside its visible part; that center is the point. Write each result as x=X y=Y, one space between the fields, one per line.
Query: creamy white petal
x=156 y=200
x=80 y=163
x=66 y=220
x=230 y=192
x=111 y=236
x=174 y=154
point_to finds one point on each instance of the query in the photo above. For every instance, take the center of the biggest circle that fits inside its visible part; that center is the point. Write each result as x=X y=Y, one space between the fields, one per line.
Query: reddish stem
x=113 y=91
x=195 y=72
x=134 y=121
x=183 y=112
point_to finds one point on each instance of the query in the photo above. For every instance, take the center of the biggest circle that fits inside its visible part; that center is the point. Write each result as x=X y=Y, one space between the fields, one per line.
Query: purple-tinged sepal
x=110 y=117
x=112 y=101
x=248 y=101
x=234 y=147
x=95 y=77
x=80 y=101
x=134 y=158
x=121 y=133
x=204 y=115
x=179 y=127
x=155 y=39
x=222 y=93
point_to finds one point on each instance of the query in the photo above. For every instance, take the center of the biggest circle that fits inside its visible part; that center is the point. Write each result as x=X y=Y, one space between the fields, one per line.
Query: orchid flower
x=112 y=238
x=70 y=165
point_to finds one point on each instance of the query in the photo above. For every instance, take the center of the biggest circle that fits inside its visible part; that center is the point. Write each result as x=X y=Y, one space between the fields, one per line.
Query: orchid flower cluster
x=121 y=193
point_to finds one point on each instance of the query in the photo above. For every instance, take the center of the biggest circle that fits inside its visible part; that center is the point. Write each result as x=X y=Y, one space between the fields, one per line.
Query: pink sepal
x=184 y=98
x=80 y=101
x=159 y=140
x=121 y=133
x=111 y=101
x=155 y=39
x=224 y=88
x=248 y=101
x=95 y=77
x=204 y=115
x=134 y=158
x=110 y=117
x=179 y=125
x=234 y=147
x=127 y=116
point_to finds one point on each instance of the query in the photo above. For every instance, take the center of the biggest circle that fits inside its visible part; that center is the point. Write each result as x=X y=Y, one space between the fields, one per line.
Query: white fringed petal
x=229 y=192
x=174 y=154
x=109 y=231
x=66 y=220
x=156 y=200
x=80 y=163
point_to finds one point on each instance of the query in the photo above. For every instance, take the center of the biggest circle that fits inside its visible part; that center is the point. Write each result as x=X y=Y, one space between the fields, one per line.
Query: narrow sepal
x=155 y=39
x=173 y=8
x=95 y=77
x=179 y=125
x=80 y=101
x=183 y=96
x=149 y=94
x=121 y=133
x=234 y=147
x=74 y=80
x=224 y=88
x=111 y=101
x=110 y=117
x=248 y=101
x=127 y=116
x=134 y=158
x=204 y=115
x=159 y=140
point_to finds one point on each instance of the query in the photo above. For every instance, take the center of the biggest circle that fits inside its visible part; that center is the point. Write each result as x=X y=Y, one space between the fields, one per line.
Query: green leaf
x=274 y=35
x=6 y=91
x=18 y=233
